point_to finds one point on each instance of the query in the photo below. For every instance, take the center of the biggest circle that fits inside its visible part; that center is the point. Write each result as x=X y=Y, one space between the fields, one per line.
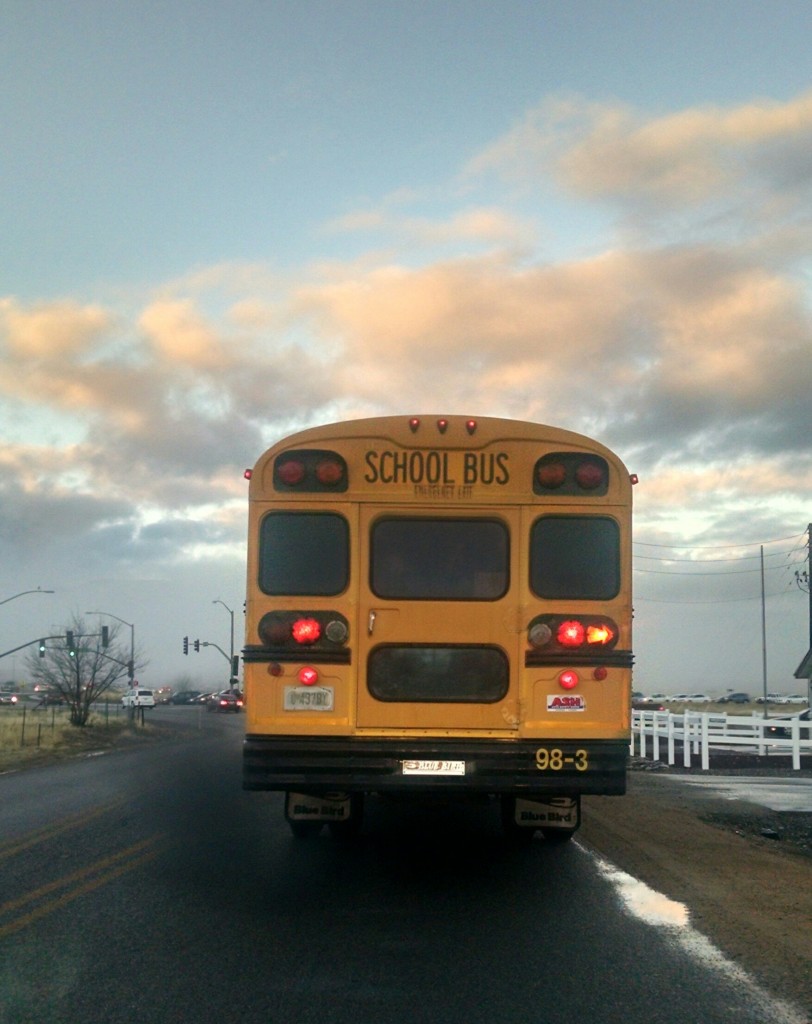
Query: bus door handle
x=371 y=622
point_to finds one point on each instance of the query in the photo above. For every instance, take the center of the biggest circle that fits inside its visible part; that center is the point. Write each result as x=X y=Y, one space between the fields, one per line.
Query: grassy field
x=32 y=737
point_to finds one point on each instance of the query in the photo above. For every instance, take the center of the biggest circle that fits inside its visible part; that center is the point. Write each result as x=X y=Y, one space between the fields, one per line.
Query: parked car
x=782 y=726
x=138 y=697
x=225 y=701
x=735 y=698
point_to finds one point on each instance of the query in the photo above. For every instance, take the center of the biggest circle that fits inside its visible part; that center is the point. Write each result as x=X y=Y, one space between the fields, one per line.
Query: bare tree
x=80 y=672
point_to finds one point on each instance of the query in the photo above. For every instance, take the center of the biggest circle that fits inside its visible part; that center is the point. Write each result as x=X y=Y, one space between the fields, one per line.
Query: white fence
x=656 y=734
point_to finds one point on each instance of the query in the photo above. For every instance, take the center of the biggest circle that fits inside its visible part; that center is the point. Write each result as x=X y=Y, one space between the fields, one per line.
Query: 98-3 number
x=554 y=760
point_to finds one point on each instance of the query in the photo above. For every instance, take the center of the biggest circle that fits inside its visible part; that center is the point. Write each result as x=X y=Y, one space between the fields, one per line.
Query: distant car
x=138 y=697
x=47 y=700
x=225 y=701
x=735 y=698
x=647 y=704
x=8 y=698
x=184 y=697
x=698 y=698
x=782 y=726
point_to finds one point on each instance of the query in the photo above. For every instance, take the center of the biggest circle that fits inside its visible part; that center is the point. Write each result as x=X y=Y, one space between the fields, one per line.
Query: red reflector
x=329 y=472
x=571 y=633
x=600 y=673
x=589 y=475
x=568 y=680
x=305 y=631
x=248 y=474
x=308 y=676
x=552 y=474
x=291 y=472
x=601 y=634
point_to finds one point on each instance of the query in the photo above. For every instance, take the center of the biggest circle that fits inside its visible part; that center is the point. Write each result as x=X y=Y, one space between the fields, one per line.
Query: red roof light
x=291 y=472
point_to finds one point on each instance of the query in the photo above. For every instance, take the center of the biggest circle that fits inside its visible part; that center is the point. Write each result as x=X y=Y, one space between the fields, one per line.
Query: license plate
x=309 y=698
x=433 y=767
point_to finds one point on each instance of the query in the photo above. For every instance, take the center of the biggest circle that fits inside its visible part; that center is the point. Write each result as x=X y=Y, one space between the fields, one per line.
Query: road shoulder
x=750 y=895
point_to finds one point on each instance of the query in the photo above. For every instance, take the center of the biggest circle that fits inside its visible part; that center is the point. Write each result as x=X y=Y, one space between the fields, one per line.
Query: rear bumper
x=357 y=765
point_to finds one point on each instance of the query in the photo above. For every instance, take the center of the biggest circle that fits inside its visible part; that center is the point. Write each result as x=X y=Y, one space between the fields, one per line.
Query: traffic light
x=70 y=644
x=42 y=648
x=235 y=666
x=105 y=636
x=197 y=645
x=186 y=645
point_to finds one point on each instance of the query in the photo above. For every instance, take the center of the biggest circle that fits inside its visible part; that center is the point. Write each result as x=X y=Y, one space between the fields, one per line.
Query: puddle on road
x=658 y=910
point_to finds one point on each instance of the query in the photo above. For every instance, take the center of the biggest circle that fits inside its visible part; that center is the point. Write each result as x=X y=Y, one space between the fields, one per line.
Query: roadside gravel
x=743 y=871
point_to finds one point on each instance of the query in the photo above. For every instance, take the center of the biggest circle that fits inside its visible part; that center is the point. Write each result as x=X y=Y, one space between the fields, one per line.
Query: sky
x=224 y=221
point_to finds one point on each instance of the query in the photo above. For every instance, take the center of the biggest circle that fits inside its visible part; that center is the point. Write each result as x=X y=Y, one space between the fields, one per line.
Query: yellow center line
x=50 y=831
x=139 y=852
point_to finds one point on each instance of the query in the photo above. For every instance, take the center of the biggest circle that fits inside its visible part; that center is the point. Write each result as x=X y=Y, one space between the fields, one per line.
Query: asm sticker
x=557 y=702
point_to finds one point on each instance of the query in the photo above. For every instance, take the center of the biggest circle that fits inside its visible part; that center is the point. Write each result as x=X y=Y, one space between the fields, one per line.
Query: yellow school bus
x=438 y=605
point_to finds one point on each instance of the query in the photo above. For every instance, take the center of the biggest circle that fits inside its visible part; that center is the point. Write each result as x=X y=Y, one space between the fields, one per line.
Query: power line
x=718 y=547
x=711 y=572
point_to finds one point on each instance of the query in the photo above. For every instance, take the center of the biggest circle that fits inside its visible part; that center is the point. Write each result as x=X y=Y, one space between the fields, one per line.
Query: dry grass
x=32 y=737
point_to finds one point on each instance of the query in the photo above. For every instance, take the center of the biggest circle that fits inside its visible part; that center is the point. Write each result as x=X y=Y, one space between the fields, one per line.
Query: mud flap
x=554 y=815
x=329 y=807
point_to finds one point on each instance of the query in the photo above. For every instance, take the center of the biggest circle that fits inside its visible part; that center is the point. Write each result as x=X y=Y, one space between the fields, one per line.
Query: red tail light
x=571 y=633
x=568 y=680
x=555 y=633
x=305 y=631
x=308 y=676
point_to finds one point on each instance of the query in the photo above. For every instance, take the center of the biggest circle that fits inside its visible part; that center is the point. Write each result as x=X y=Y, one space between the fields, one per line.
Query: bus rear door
x=438 y=620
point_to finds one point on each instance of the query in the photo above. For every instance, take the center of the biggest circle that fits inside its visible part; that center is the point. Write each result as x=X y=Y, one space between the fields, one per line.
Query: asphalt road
x=144 y=885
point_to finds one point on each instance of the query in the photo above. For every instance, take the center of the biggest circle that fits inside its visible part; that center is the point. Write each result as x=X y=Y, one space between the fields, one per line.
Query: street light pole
x=22 y=593
x=231 y=648
x=132 y=639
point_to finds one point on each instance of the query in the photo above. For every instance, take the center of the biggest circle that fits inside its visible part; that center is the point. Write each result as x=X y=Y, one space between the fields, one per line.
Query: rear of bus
x=438 y=605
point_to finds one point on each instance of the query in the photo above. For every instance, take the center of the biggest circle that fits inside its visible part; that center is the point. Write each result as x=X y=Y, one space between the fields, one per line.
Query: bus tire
x=513 y=832
x=305 y=829
x=557 y=835
x=348 y=829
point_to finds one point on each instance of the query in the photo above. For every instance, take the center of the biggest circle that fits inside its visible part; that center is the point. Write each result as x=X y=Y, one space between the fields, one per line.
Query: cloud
x=603 y=151
x=687 y=350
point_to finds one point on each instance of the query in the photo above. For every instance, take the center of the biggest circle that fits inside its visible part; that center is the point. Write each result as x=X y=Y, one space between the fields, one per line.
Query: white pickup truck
x=138 y=698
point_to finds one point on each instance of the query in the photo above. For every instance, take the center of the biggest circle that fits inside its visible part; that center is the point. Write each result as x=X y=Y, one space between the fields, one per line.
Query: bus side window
x=304 y=553
x=575 y=557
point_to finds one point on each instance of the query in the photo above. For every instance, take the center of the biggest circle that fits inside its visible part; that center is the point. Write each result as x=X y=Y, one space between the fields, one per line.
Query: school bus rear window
x=439 y=559
x=439 y=674
x=575 y=557
x=304 y=553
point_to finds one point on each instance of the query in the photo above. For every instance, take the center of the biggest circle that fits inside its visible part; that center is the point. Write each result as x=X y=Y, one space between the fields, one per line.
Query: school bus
x=438 y=605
